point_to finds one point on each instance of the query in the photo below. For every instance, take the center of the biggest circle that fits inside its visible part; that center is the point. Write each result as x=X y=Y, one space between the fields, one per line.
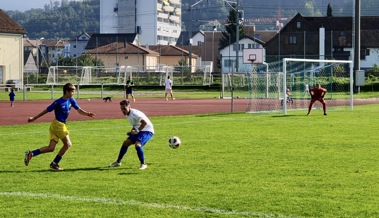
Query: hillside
x=68 y=19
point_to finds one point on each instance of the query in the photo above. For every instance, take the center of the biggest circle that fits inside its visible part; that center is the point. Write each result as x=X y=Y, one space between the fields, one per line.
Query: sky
x=22 y=5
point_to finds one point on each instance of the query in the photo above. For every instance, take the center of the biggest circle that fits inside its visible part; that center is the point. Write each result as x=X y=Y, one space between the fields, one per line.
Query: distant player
x=306 y=89
x=58 y=129
x=129 y=89
x=317 y=94
x=11 y=97
x=168 y=88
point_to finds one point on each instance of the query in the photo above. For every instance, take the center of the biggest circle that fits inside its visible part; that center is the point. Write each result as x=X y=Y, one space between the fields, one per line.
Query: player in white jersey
x=168 y=88
x=142 y=131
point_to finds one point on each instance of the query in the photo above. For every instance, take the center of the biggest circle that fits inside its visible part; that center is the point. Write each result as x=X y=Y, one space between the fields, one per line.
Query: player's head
x=318 y=85
x=125 y=107
x=68 y=87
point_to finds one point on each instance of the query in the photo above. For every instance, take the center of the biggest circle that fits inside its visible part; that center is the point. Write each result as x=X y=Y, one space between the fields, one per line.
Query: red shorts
x=318 y=99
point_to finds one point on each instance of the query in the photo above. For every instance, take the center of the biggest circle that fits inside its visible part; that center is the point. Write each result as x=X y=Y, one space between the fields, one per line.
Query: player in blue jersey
x=142 y=131
x=58 y=129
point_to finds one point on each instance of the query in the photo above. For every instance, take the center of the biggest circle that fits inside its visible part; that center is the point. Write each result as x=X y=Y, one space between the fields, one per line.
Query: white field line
x=138 y=203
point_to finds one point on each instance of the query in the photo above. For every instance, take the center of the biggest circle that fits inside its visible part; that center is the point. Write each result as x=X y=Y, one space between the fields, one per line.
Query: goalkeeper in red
x=317 y=94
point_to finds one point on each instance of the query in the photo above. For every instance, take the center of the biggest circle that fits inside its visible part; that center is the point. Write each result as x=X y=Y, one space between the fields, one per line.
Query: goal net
x=104 y=75
x=63 y=74
x=267 y=84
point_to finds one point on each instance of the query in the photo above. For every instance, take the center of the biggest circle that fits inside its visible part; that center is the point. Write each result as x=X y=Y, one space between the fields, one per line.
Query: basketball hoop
x=253 y=55
x=252 y=58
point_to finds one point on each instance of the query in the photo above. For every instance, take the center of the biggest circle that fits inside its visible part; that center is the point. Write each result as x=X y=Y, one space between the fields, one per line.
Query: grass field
x=229 y=165
x=182 y=93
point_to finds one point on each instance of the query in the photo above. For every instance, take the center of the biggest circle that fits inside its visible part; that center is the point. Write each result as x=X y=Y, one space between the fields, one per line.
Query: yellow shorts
x=58 y=130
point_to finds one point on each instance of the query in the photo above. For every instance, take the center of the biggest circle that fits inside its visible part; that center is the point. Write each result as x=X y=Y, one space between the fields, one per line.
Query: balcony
x=162 y=15
x=175 y=2
x=174 y=18
x=168 y=8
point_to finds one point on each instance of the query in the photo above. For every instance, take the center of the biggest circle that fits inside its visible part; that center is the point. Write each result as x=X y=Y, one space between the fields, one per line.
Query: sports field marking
x=138 y=203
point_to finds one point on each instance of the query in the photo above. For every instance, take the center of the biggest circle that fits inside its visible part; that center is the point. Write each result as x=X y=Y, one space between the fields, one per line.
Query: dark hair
x=124 y=102
x=68 y=87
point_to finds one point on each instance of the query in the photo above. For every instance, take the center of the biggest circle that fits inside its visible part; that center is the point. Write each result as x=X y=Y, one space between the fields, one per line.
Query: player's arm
x=31 y=119
x=311 y=93
x=143 y=124
x=85 y=113
x=323 y=93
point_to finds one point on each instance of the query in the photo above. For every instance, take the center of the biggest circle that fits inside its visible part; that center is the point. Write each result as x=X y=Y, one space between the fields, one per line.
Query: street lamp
x=190 y=35
x=213 y=44
x=38 y=58
x=237 y=45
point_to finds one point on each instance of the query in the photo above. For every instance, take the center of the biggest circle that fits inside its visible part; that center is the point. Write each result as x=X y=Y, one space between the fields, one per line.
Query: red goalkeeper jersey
x=317 y=93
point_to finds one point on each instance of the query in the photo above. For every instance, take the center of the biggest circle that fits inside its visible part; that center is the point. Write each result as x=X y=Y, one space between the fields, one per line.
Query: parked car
x=14 y=83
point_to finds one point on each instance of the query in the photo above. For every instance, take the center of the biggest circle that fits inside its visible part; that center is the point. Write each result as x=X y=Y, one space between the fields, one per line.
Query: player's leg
x=45 y=149
x=60 y=130
x=124 y=148
x=310 y=106
x=165 y=94
x=323 y=105
x=66 y=146
x=143 y=138
x=132 y=95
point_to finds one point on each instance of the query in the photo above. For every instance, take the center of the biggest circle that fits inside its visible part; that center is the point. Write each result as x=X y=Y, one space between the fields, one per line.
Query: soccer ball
x=174 y=142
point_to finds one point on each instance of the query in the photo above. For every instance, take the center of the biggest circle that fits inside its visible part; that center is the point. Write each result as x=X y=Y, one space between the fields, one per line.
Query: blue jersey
x=11 y=96
x=62 y=108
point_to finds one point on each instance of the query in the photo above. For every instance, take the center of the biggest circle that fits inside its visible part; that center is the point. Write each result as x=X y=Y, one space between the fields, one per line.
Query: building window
x=228 y=63
x=298 y=25
x=292 y=40
x=253 y=45
x=364 y=53
x=240 y=47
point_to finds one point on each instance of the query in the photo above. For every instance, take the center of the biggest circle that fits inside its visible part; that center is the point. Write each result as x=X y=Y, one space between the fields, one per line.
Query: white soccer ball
x=174 y=142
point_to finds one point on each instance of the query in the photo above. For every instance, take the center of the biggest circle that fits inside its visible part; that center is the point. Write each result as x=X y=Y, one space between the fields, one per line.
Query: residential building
x=11 y=49
x=118 y=54
x=77 y=46
x=170 y=55
x=228 y=53
x=154 y=21
x=305 y=37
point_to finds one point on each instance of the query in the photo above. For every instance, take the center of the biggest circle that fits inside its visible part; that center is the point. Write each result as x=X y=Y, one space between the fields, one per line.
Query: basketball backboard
x=254 y=55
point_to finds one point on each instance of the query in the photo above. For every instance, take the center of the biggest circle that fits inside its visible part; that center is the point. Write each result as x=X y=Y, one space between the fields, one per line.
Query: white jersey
x=135 y=117
x=168 y=83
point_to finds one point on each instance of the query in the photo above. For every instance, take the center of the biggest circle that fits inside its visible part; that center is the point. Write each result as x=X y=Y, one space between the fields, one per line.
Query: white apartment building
x=155 y=21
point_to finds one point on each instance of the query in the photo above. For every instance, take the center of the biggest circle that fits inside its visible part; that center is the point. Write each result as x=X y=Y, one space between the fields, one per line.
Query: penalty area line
x=138 y=203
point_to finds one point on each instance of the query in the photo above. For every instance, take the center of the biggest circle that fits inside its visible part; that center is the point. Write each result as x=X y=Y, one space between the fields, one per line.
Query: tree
x=83 y=60
x=329 y=12
x=229 y=35
x=88 y=60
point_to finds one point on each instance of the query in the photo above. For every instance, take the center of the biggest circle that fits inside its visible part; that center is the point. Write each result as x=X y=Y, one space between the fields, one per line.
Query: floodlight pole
x=237 y=46
x=190 y=36
x=237 y=34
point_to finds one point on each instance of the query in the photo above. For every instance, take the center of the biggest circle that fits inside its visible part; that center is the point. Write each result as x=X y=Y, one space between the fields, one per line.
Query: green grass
x=40 y=94
x=229 y=165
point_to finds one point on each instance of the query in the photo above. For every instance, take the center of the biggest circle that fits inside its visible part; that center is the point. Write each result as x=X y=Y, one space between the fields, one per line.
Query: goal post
x=321 y=63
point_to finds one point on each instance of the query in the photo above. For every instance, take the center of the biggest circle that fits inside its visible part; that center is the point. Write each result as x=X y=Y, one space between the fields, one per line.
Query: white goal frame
x=285 y=60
